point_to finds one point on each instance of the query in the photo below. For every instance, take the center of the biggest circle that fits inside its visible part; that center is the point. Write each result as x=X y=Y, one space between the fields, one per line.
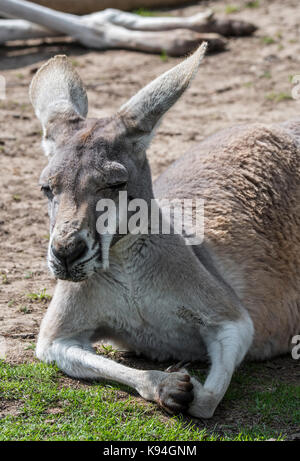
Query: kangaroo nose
x=67 y=255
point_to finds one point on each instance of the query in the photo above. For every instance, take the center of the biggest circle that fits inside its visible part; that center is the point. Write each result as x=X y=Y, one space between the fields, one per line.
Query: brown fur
x=250 y=180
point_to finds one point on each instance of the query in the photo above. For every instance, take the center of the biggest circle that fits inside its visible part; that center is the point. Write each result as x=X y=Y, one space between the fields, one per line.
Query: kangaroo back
x=249 y=178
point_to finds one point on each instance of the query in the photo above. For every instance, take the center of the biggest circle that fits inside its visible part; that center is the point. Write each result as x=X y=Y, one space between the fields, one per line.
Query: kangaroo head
x=94 y=159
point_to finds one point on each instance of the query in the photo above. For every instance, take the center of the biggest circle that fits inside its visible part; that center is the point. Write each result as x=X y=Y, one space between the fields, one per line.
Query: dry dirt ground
x=248 y=83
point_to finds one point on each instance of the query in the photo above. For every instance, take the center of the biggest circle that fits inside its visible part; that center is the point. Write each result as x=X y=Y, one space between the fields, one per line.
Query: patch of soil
x=10 y=407
x=248 y=83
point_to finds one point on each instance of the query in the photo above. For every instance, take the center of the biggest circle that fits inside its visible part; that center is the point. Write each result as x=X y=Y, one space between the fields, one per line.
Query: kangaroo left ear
x=143 y=112
x=58 y=97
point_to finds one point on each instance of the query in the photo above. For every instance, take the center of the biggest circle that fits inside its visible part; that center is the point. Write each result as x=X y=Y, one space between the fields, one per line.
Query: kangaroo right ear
x=58 y=97
x=143 y=112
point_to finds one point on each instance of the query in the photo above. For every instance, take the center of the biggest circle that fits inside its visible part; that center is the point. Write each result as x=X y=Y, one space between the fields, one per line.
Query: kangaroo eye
x=47 y=192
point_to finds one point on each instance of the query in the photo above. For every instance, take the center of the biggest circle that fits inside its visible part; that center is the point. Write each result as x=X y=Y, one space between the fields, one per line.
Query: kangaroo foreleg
x=78 y=359
x=226 y=348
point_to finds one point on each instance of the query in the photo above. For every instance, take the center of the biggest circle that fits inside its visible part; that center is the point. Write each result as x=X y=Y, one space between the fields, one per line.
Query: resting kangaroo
x=235 y=295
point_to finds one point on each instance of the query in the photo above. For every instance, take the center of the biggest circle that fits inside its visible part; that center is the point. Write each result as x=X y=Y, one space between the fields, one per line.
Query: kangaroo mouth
x=77 y=272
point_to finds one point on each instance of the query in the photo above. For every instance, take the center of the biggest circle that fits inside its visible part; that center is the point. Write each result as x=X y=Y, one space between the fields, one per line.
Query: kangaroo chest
x=147 y=320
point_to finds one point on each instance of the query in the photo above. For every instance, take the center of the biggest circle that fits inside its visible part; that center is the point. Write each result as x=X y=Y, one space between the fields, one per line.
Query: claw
x=177 y=366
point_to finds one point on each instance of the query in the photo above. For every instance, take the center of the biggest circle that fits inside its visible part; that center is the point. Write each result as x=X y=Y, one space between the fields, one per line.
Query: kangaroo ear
x=143 y=112
x=58 y=97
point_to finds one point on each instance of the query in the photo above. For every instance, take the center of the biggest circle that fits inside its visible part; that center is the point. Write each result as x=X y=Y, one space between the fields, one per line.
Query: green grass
x=268 y=40
x=163 y=56
x=4 y=278
x=253 y=4
x=146 y=12
x=276 y=403
x=266 y=74
x=39 y=297
x=230 y=9
x=25 y=309
x=45 y=408
x=278 y=97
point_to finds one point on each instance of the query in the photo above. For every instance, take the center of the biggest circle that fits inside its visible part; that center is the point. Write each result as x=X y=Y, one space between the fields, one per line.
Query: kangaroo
x=234 y=296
